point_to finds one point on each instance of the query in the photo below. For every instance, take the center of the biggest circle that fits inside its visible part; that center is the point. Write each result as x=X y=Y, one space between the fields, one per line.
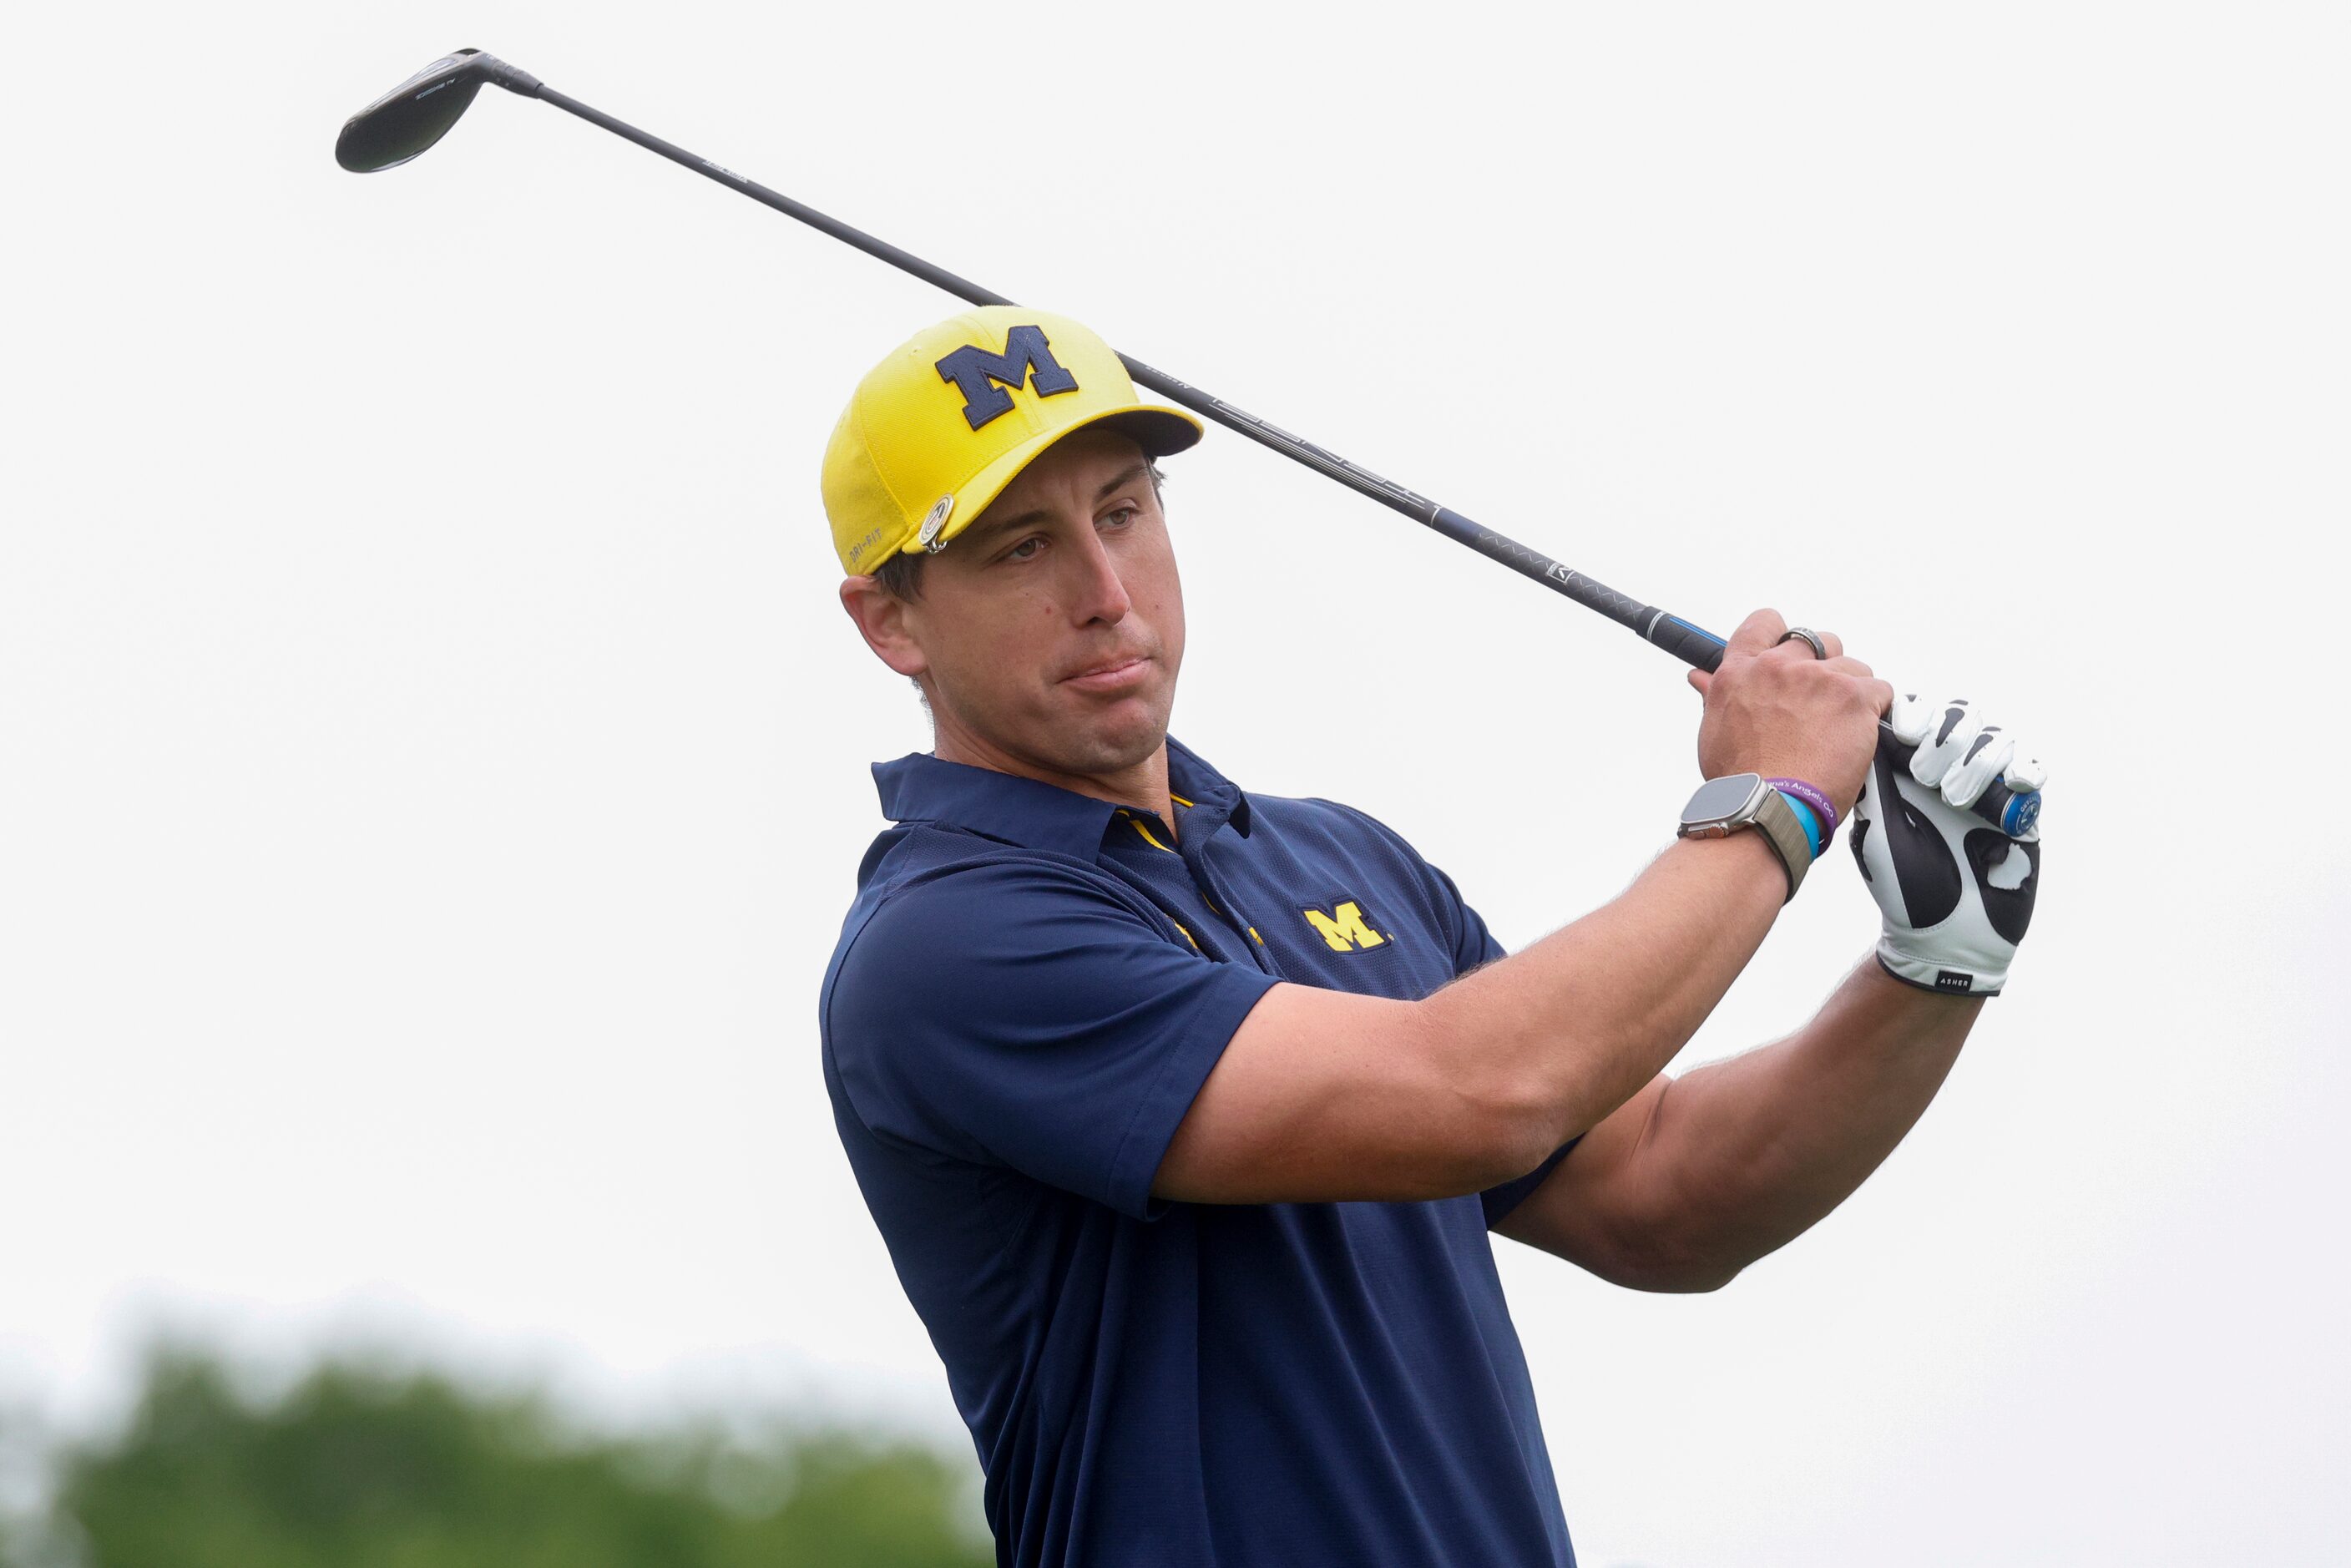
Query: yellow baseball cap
x=939 y=427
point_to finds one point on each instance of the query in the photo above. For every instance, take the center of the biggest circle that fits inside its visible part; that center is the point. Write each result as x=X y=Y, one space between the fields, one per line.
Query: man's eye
x=1025 y=550
x=1120 y=518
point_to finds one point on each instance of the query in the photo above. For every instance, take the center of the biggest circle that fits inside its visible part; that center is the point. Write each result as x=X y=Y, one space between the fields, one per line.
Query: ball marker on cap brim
x=933 y=521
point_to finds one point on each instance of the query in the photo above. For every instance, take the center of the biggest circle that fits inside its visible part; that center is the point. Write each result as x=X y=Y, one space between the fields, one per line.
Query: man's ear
x=881 y=618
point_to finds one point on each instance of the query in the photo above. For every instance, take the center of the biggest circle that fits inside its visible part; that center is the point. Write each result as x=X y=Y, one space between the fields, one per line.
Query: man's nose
x=1099 y=594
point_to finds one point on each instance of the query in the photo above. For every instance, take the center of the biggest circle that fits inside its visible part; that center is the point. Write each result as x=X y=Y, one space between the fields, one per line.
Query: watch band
x=1786 y=836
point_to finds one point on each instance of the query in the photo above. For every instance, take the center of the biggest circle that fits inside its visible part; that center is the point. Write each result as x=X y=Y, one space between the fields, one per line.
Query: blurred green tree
x=361 y=1468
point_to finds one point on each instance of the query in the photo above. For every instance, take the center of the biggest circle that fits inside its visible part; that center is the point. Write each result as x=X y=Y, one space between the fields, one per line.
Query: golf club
x=412 y=117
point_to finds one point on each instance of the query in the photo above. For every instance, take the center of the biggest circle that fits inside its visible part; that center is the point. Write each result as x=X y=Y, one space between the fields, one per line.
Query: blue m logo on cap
x=1026 y=358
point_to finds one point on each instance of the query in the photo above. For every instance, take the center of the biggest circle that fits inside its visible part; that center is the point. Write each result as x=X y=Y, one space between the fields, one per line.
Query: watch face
x=1720 y=798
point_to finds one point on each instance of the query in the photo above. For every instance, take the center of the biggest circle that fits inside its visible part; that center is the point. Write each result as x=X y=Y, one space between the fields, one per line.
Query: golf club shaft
x=1685 y=641
x=1690 y=643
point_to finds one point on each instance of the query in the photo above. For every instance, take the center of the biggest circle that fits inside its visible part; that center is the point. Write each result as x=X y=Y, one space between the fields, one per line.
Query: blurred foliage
x=357 y=1467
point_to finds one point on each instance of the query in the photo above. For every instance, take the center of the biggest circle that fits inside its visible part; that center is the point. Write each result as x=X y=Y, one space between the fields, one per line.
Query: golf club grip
x=1690 y=643
x=2005 y=809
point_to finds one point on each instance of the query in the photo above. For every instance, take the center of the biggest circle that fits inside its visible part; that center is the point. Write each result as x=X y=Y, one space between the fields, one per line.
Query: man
x=1185 y=1113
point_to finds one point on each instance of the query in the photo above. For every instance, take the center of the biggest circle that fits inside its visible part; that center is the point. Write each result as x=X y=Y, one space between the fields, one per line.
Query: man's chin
x=1114 y=739
x=1106 y=751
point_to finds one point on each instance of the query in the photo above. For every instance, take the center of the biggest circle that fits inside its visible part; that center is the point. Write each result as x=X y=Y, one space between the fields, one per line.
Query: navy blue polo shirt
x=1029 y=991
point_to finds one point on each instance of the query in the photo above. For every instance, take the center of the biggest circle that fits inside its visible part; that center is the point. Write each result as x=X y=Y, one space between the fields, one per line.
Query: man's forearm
x=1324 y=1096
x=1764 y=1145
x=1574 y=1025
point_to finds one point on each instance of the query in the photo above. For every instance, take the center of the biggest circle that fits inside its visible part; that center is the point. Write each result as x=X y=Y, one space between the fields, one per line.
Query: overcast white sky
x=432 y=763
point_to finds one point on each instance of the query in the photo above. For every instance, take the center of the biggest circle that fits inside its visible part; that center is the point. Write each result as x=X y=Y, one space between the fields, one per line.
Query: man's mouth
x=1111 y=674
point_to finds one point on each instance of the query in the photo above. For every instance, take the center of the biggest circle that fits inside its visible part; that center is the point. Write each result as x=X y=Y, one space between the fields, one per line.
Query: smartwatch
x=1724 y=806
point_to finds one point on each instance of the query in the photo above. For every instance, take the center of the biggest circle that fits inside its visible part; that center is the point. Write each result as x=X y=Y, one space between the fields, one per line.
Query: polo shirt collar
x=1189 y=776
x=923 y=788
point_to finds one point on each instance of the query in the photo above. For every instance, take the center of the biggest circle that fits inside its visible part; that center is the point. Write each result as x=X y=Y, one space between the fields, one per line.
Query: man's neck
x=1144 y=784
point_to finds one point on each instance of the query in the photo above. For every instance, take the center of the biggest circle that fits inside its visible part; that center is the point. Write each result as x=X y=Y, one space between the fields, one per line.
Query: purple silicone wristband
x=1811 y=797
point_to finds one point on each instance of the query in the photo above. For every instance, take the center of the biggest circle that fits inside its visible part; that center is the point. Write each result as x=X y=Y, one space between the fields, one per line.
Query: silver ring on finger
x=1820 y=649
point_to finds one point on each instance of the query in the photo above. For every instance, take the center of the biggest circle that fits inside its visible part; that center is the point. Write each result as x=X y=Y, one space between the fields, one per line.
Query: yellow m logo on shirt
x=1344 y=929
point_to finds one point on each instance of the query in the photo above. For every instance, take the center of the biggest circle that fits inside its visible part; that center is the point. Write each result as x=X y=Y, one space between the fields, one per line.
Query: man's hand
x=1776 y=709
x=1957 y=894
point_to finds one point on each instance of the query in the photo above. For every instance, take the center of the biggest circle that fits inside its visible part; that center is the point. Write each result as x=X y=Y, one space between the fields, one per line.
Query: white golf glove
x=1957 y=892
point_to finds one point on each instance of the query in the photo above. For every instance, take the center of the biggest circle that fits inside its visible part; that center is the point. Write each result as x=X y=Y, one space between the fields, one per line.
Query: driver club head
x=417 y=113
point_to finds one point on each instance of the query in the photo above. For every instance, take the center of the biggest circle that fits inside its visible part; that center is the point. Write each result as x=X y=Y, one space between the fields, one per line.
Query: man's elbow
x=1512 y=1110
x=1663 y=1257
x=1669 y=1275
x=1520 y=1119
x=1692 y=1280
x=1501 y=1126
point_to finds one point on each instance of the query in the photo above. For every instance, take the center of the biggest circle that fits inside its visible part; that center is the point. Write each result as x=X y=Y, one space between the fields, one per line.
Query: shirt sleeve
x=1473 y=944
x=1023 y=1014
